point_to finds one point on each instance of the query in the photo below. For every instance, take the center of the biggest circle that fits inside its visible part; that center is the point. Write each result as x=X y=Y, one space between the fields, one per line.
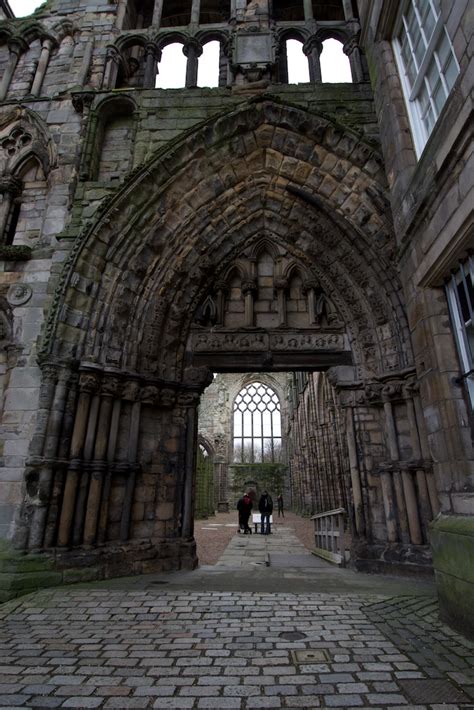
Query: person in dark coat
x=244 y=506
x=280 y=505
x=265 y=506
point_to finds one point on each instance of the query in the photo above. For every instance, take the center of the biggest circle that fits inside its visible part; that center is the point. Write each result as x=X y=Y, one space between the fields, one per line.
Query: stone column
x=281 y=286
x=111 y=448
x=42 y=66
x=192 y=50
x=312 y=49
x=86 y=62
x=348 y=11
x=308 y=10
x=385 y=477
x=88 y=384
x=16 y=48
x=157 y=13
x=195 y=12
x=352 y=50
x=10 y=188
x=112 y=64
x=132 y=394
x=98 y=468
x=426 y=455
x=120 y=16
x=249 y=288
x=152 y=57
x=67 y=424
x=190 y=401
x=47 y=466
x=409 y=494
x=355 y=473
x=84 y=480
x=423 y=494
x=282 y=63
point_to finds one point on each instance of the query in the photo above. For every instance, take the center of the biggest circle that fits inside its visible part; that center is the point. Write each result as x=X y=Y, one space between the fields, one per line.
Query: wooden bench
x=257 y=520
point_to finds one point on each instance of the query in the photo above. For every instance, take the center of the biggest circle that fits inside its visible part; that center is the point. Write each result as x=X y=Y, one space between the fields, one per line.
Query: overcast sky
x=334 y=65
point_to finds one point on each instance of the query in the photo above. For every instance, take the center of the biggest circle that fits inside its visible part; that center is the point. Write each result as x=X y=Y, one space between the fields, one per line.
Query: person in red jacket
x=244 y=506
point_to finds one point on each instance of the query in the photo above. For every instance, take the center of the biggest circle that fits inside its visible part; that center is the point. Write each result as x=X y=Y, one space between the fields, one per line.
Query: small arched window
x=172 y=68
x=257 y=425
x=335 y=65
x=208 y=67
x=298 y=70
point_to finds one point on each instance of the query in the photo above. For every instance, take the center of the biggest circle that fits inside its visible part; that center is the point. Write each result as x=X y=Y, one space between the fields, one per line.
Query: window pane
x=257 y=451
x=450 y=73
x=237 y=424
x=276 y=424
x=247 y=423
x=257 y=424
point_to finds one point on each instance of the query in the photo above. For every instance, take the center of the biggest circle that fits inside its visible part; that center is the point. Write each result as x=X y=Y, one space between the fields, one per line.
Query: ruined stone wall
x=216 y=427
x=84 y=155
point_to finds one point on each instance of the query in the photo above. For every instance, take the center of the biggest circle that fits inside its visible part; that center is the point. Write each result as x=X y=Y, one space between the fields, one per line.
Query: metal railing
x=329 y=535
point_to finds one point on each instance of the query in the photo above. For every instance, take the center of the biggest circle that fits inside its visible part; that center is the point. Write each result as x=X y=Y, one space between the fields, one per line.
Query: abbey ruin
x=315 y=238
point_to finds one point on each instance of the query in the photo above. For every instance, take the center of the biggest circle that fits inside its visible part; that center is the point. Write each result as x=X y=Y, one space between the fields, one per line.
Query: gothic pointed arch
x=275 y=185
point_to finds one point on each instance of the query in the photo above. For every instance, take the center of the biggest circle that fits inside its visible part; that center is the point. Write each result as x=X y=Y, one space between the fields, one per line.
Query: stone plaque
x=253 y=48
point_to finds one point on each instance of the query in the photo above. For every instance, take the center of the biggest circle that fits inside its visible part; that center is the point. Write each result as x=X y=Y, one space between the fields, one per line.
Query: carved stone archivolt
x=326 y=259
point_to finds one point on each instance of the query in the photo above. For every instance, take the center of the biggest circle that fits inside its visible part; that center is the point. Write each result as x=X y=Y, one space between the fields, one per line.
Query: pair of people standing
x=265 y=506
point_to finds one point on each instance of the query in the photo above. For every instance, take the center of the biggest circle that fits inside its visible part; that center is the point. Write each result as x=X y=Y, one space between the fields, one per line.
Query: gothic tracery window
x=257 y=425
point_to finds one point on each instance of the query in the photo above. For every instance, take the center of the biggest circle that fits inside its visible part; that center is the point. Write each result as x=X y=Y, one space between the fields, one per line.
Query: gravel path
x=214 y=534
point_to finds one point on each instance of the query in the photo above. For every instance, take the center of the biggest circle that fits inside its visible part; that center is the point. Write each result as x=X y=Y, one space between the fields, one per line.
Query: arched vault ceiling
x=266 y=169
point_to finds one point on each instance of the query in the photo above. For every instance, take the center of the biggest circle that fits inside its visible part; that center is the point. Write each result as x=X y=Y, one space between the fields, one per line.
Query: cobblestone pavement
x=135 y=644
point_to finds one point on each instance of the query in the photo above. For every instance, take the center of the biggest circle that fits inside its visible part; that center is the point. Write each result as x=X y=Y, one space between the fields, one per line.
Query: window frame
x=466 y=356
x=239 y=439
x=413 y=94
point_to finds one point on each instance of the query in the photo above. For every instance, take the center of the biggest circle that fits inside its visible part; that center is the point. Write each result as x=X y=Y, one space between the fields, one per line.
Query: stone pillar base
x=21 y=574
x=391 y=558
x=452 y=540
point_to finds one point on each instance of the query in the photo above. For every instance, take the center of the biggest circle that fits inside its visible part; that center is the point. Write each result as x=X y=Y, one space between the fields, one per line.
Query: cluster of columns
x=17 y=47
x=10 y=189
x=74 y=456
x=318 y=456
x=408 y=488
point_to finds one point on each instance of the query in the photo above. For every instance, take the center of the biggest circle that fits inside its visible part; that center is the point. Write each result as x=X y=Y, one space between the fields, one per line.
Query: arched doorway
x=281 y=257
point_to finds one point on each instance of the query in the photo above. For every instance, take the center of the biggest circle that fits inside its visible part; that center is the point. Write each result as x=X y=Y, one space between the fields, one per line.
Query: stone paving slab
x=137 y=643
x=154 y=649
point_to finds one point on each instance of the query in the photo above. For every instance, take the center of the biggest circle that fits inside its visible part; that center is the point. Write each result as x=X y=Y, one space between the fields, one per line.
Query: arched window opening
x=297 y=62
x=176 y=13
x=113 y=141
x=257 y=425
x=116 y=153
x=132 y=71
x=335 y=65
x=214 y=12
x=172 y=68
x=27 y=210
x=332 y=11
x=288 y=11
x=208 y=67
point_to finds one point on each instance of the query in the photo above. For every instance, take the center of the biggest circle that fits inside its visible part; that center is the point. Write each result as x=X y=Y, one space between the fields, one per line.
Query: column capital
x=351 y=44
x=312 y=43
x=192 y=46
x=10 y=185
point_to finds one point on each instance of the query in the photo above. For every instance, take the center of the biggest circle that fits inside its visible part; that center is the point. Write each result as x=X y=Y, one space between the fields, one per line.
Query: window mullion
x=425 y=61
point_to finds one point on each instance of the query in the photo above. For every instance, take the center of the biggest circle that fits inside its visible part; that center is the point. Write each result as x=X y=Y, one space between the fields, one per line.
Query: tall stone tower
x=152 y=236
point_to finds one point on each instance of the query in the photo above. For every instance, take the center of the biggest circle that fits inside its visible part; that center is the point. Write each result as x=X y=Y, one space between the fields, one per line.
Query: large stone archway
x=140 y=316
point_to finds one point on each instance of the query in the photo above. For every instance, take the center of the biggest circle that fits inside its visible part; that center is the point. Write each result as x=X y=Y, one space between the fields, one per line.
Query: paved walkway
x=295 y=634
